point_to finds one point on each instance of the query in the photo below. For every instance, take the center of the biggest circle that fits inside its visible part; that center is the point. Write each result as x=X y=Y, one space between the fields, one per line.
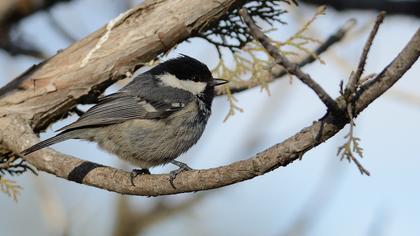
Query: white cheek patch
x=188 y=85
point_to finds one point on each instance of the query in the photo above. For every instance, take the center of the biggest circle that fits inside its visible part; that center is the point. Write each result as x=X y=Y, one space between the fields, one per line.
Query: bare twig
x=355 y=77
x=290 y=67
x=352 y=144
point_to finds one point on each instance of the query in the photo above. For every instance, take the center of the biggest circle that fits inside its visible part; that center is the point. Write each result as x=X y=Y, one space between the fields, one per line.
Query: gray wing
x=153 y=103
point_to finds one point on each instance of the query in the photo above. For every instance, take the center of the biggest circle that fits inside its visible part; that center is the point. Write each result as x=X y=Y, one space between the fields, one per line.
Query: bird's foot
x=182 y=167
x=136 y=172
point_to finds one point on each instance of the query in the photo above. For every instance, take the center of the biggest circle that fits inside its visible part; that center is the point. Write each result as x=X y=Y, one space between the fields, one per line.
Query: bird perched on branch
x=152 y=120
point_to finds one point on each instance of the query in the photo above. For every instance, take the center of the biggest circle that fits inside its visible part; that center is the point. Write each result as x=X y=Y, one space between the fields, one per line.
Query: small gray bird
x=152 y=120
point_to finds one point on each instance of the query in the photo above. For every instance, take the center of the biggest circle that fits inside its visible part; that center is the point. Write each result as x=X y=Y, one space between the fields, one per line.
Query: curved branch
x=281 y=154
x=57 y=86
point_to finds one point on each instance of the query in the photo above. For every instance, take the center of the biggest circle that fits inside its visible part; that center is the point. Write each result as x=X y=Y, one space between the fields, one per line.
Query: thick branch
x=289 y=66
x=382 y=82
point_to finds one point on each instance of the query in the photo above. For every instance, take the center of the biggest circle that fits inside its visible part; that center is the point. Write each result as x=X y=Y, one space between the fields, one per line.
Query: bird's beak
x=217 y=82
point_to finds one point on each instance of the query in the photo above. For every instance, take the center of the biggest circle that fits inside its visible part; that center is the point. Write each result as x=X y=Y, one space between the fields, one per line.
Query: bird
x=150 y=121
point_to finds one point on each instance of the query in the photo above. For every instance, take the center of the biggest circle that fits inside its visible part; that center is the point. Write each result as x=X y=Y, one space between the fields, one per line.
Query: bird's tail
x=48 y=142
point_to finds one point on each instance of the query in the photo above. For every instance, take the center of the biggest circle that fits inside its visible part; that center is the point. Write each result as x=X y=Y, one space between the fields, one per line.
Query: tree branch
x=289 y=66
x=278 y=71
x=60 y=83
x=355 y=77
x=281 y=154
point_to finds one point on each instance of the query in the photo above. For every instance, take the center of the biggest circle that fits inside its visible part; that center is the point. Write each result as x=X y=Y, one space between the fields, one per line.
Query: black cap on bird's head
x=187 y=68
x=189 y=74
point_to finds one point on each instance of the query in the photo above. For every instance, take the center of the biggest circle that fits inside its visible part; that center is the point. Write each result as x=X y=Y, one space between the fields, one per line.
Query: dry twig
x=355 y=77
x=289 y=66
x=346 y=151
x=278 y=72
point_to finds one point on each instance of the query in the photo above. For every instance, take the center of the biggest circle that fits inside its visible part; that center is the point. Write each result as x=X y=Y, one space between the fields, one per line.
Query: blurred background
x=319 y=195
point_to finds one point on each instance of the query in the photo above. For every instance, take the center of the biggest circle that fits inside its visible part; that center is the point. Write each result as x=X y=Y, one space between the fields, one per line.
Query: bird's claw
x=182 y=167
x=136 y=172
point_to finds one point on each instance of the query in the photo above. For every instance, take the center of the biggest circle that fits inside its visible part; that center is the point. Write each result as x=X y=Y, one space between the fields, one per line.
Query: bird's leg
x=136 y=172
x=174 y=173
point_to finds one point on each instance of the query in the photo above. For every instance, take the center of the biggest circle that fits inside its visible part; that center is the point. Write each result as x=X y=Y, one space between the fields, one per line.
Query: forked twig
x=355 y=77
x=289 y=66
